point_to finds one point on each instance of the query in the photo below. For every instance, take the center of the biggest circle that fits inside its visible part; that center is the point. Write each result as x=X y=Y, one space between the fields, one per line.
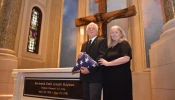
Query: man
x=92 y=77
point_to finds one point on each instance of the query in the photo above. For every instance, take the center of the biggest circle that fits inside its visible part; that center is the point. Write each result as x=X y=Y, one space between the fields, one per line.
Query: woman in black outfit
x=117 y=80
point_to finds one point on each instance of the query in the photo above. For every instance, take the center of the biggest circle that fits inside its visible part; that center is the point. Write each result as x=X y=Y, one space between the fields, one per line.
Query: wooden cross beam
x=102 y=18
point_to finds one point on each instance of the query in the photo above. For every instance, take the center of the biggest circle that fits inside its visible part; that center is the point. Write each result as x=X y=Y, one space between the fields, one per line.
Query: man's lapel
x=87 y=47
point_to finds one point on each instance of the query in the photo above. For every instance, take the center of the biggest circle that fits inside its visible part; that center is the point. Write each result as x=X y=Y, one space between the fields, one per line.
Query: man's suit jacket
x=96 y=50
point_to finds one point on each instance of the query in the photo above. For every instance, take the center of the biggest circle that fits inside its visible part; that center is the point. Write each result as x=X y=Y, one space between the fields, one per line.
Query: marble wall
x=8 y=62
x=162 y=58
x=47 y=44
x=162 y=62
x=9 y=17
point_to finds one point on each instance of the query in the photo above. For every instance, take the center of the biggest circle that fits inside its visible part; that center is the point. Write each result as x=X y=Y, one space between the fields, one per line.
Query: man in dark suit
x=92 y=77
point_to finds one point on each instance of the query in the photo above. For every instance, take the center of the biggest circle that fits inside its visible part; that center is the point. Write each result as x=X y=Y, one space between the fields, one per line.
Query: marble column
x=9 y=16
x=162 y=58
x=168 y=9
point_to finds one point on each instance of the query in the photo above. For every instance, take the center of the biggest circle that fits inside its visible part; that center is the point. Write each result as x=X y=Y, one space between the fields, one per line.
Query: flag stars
x=77 y=64
x=81 y=62
x=86 y=59
x=94 y=65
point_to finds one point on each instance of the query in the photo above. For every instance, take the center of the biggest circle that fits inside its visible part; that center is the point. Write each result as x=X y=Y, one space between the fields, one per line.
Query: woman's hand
x=102 y=61
x=80 y=54
x=84 y=70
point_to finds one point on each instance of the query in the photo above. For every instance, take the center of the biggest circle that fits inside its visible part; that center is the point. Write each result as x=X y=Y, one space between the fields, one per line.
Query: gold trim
x=17 y=41
x=6 y=95
x=128 y=3
x=147 y=70
x=87 y=13
x=143 y=49
x=81 y=34
x=60 y=35
x=45 y=37
x=137 y=38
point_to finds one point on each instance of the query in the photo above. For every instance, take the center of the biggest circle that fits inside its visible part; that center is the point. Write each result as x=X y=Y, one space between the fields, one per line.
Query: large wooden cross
x=102 y=18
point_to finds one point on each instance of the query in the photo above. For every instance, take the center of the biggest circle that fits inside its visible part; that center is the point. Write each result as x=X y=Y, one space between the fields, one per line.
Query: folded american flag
x=85 y=61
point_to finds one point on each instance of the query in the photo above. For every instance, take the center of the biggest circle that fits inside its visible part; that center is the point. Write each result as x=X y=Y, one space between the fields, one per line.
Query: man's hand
x=80 y=54
x=84 y=70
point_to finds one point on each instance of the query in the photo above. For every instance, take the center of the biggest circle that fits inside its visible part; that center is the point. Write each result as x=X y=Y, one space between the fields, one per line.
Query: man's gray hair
x=96 y=26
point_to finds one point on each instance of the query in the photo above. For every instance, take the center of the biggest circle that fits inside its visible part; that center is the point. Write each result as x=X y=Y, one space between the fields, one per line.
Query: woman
x=117 y=82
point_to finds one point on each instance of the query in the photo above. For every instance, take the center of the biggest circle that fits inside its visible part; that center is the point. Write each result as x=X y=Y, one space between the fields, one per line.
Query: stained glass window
x=34 y=30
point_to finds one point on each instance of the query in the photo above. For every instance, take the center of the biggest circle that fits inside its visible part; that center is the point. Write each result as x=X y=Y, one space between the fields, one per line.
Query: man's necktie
x=89 y=42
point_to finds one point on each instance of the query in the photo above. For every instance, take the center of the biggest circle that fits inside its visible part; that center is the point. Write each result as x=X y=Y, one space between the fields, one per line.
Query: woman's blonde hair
x=123 y=37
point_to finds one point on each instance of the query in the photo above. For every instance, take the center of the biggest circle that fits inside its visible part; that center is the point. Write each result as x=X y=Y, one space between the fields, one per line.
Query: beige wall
x=162 y=61
x=141 y=86
x=49 y=36
x=8 y=62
